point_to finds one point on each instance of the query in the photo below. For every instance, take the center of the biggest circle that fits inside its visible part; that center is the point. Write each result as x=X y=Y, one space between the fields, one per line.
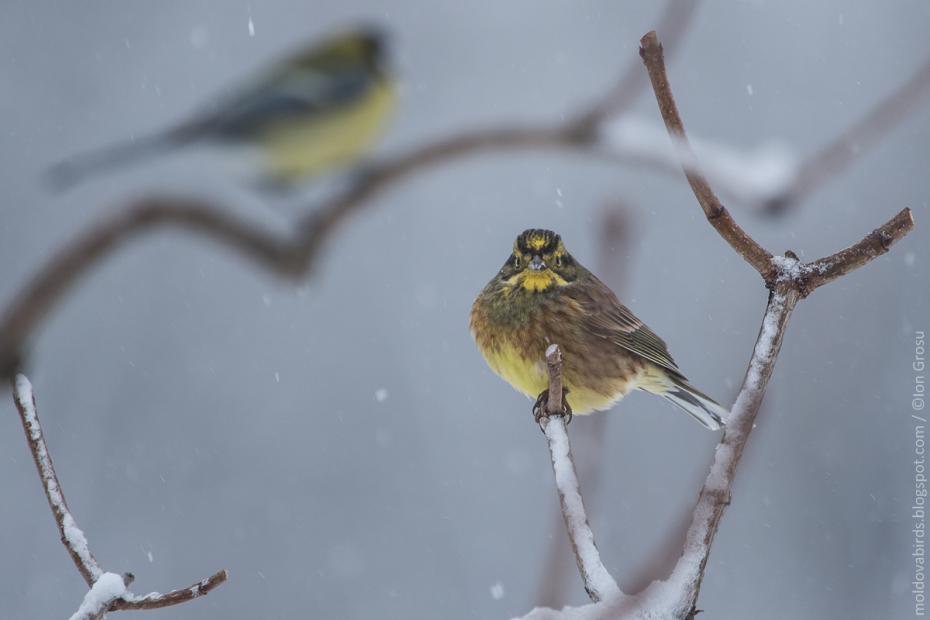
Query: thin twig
x=597 y=580
x=104 y=594
x=846 y=148
x=651 y=52
x=614 y=232
x=174 y=597
x=71 y=535
x=819 y=272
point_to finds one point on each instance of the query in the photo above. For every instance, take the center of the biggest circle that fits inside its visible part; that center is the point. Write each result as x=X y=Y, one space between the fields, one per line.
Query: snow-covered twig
x=156 y=600
x=678 y=594
x=614 y=228
x=105 y=593
x=71 y=535
x=598 y=583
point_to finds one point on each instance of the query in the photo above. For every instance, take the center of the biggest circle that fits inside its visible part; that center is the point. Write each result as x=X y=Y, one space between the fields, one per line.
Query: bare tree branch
x=71 y=535
x=876 y=243
x=174 y=597
x=651 y=52
x=108 y=591
x=597 y=580
x=715 y=495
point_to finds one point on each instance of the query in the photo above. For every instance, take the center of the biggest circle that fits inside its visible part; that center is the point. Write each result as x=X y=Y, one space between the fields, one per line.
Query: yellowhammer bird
x=543 y=296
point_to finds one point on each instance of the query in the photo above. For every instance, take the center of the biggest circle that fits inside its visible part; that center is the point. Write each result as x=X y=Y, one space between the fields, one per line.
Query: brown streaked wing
x=606 y=317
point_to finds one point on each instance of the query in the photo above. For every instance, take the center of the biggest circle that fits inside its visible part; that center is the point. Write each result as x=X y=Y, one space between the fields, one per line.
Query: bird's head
x=539 y=261
x=365 y=45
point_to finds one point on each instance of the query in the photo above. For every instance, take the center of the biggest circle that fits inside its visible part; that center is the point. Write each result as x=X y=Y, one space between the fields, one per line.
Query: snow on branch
x=754 y=177
x=71 y=535
x=597 y=580
x=108 y=591
x=108 y=588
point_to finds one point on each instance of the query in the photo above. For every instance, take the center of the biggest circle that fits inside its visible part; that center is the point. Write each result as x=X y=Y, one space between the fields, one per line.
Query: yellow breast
x=308 y=147
x=527 y=376
x=531 y=377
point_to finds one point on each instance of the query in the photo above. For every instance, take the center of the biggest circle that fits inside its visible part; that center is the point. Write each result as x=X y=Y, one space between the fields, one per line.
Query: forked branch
x=108 y=591
x=789 y=280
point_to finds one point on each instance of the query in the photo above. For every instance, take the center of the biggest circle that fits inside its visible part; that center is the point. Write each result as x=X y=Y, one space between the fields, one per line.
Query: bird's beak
x=537 y=264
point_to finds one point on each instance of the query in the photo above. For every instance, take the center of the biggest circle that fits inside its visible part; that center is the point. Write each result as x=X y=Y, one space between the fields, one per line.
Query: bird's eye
x=516 y=262
x=558 y=261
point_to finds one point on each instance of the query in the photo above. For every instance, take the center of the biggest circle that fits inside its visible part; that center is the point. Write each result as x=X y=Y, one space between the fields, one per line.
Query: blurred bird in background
x=322 y=108
x=543 y=296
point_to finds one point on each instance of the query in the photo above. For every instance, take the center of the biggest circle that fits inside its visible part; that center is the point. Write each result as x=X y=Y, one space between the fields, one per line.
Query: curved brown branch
x=30 y=307
x=876 y=243
x=761 y=260
x=106 y=592
x=175 y=597
x=71 y=536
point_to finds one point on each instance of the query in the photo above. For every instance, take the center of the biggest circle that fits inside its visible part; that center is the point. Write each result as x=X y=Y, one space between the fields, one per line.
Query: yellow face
x=539 y=262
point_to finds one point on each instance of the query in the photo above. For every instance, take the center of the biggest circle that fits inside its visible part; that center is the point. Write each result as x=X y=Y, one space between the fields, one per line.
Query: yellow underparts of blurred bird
x=300 y=149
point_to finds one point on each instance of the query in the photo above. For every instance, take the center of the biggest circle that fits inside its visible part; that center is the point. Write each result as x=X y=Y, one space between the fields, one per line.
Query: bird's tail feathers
x=696 y=403
x=72 y=171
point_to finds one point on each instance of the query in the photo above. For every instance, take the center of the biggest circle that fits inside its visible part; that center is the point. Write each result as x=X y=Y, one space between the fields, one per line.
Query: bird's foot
x=541 y=408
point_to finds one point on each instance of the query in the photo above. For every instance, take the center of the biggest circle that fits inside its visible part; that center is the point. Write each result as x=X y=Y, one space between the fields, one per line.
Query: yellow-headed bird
x=543 y=296
x=321 y=108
